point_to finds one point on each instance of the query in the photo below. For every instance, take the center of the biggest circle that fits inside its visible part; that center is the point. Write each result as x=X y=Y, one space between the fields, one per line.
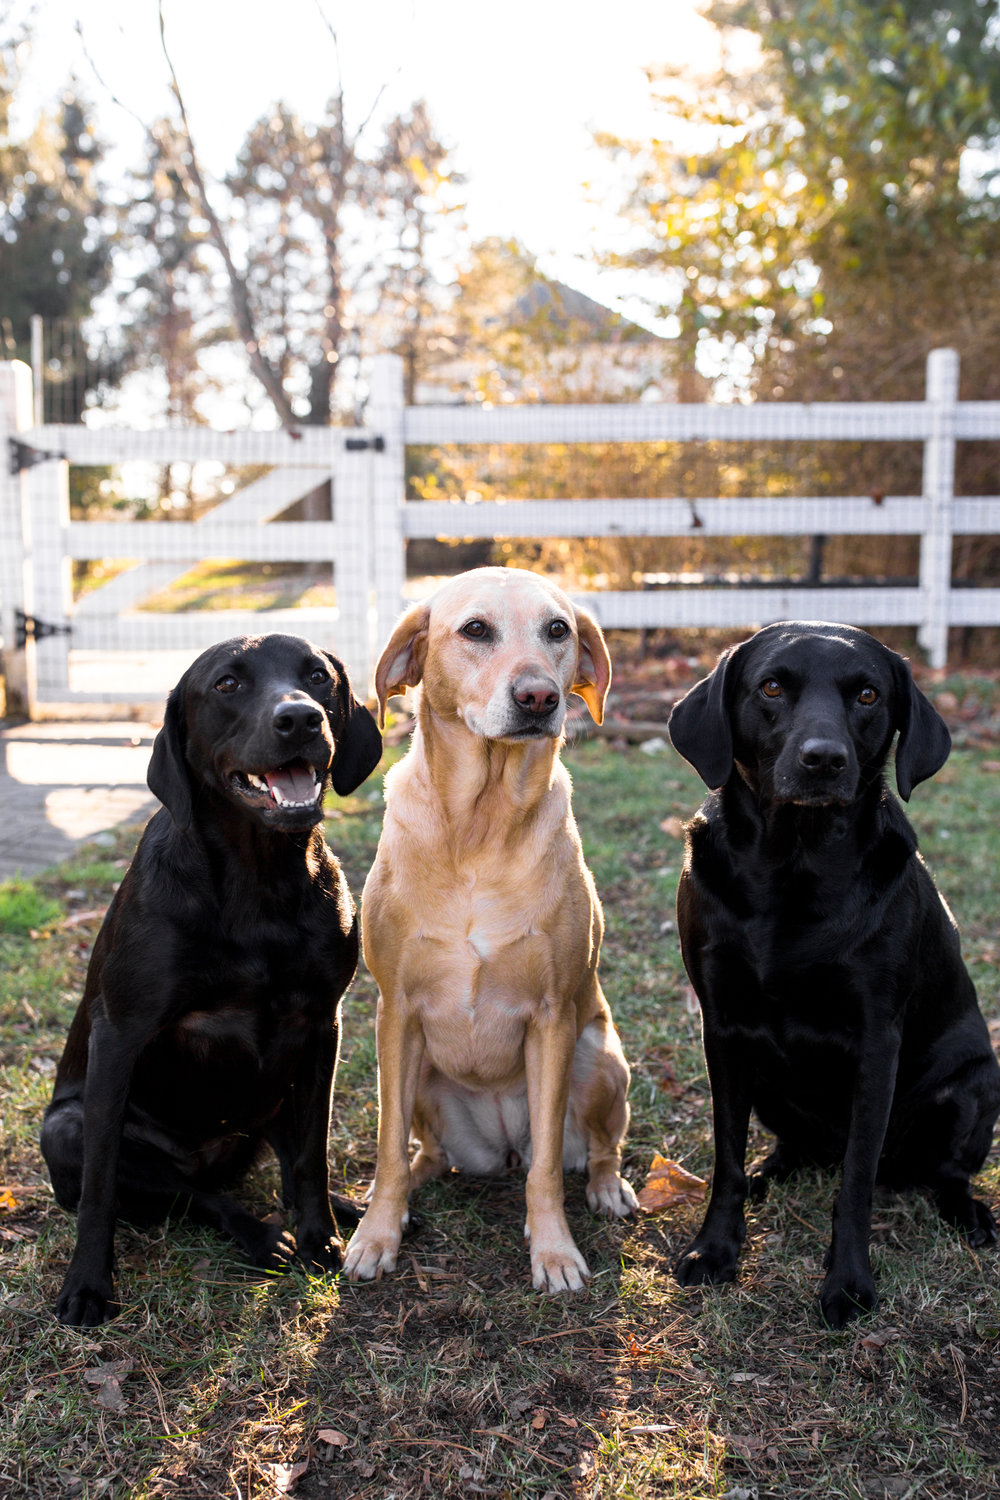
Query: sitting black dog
x=209 y=1024
x=834 y=998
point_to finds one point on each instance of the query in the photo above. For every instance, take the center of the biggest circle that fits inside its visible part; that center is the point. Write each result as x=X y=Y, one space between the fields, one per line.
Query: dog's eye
x=771 y=688
x=558 y=630
x=475 y=630
x=227 y=684
x=319 y=674
x=868 y=695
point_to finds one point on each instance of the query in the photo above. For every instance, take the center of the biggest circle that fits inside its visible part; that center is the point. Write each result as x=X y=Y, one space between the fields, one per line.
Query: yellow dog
x=481 y=925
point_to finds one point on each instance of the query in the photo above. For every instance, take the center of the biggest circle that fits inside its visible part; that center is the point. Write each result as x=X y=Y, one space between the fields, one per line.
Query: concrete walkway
x=60 y=784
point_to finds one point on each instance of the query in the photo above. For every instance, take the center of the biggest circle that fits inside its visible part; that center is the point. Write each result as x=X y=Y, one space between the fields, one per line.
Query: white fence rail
x=365 y=543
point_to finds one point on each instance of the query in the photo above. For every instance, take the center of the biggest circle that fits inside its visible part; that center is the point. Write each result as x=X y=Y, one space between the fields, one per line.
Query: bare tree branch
x=237 y=285
x=340 y=82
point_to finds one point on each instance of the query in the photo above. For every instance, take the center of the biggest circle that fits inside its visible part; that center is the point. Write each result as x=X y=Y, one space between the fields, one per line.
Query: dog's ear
x=924 y=742
x=593 y=669
x=169 y=776
x=401 y=664
x=357 y=742
x=699 y=725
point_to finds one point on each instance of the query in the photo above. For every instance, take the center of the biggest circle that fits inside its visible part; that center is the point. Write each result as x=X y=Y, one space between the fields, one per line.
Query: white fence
x=365 y=542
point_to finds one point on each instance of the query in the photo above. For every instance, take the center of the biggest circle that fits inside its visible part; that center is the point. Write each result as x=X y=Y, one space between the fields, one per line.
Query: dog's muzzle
x=820 y=771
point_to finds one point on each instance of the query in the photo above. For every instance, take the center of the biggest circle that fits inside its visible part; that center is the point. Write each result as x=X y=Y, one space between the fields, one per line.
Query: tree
x=311 y=208
x=796 y=210
x=822 y=221
x=54 y=253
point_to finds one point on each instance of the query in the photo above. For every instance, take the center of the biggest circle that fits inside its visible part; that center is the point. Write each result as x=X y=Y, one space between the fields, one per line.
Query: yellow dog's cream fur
x=482 y=927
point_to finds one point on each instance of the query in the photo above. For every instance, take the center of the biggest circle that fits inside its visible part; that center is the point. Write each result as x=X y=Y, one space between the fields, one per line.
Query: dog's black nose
x=297 y=716
x=535 y=695
x=823 y=756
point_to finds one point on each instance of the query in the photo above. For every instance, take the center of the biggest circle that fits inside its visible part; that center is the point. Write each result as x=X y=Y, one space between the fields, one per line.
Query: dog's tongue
x=292 y=783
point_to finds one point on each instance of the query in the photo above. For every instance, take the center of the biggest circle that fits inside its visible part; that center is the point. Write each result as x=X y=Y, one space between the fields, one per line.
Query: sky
x=514 y=89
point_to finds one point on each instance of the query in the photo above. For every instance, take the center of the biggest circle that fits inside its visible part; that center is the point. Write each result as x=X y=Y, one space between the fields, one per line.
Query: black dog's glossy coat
x=834 y=998
x=209 y=1025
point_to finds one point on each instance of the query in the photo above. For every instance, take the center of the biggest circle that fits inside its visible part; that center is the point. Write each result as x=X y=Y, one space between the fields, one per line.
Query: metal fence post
x=939 y=493
x=16 y=591
x=385 y=417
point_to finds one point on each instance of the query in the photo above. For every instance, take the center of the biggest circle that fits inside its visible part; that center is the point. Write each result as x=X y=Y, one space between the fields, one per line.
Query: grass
x=453 y=1377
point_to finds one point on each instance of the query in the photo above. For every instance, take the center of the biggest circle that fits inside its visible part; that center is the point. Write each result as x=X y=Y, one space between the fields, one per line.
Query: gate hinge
x=23 y=456
x=356 y=444
x=31 y=628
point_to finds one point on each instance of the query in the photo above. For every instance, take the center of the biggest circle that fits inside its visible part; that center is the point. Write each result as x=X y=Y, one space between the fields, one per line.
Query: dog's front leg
x=301 y=1140
x=848 y=1289
x=399 y=1041
x=714 y=1251
x=556 y=1263
x=87 y=1297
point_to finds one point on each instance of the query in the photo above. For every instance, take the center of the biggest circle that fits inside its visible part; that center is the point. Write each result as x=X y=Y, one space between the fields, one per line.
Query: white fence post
x=352 y=565
x=48 y=498
x=16 y=589
x=384 y=415
x=939 y=494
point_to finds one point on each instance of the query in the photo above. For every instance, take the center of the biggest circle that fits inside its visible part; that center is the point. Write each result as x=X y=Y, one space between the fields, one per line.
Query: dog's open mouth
x=294 y=784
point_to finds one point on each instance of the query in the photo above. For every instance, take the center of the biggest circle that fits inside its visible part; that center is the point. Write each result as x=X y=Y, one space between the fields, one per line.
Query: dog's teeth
x=257 y=781
x=283 y=801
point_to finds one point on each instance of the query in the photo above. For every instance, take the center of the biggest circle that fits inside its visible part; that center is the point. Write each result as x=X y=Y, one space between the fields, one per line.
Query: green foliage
x=24 y=908
x=829 y=202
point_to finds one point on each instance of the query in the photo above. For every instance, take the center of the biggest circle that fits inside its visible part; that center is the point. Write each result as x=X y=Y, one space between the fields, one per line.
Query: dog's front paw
x=842 y=1298
x=372 y=1250
x=82 y=1306
x=556 y=1264
x=707 y=1263
x=612 y=1197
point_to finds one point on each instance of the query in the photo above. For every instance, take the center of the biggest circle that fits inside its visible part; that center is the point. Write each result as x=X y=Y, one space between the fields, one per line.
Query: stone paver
x=61 y=783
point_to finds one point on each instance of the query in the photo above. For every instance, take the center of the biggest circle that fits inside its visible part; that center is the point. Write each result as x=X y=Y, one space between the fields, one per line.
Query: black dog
x=834 y=998
x=209 y=1024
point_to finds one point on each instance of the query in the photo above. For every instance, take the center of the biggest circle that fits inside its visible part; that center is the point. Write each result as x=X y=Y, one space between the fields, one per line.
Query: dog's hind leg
x=947 y=1137
x=599 y=1113
x=777 y=1166
x=268 y=1247
x=62 y=1148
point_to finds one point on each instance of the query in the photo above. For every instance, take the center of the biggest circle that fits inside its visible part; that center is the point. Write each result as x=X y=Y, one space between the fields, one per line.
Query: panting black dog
x=834 y=998
x=209 y=1025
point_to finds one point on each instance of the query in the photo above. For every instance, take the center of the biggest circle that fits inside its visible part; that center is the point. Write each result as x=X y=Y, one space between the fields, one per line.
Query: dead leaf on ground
x=333 y=1437
x=878 y=1338
x=108 y=1380
x=667 y=1183
x=673 y=827
x=286 y=1476
x=7 y=1199
x=539 y=1419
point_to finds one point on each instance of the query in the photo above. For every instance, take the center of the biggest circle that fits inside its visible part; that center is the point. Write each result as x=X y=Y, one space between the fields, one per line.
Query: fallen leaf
x=538 y=1420
x=286 y=1476
x=674 y=827
x=879 y=1338
x=116 y=1369
x=7 y=1199
x=333 y=1437
x=668 y=1183
x=110 y=1395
